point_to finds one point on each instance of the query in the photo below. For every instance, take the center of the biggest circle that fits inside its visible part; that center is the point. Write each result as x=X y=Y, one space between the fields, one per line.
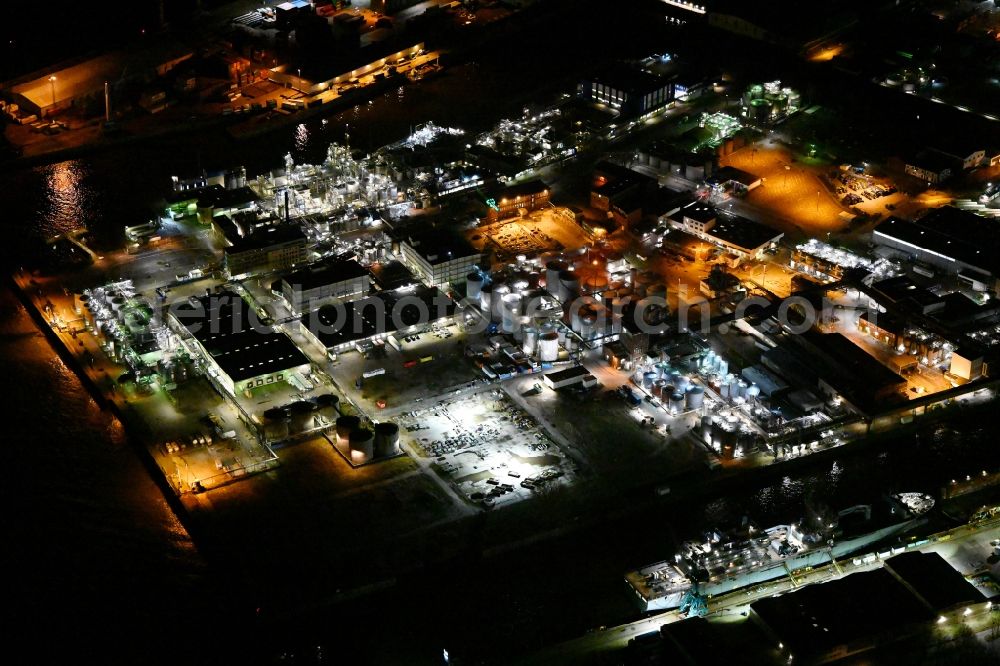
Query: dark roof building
x=230 y=336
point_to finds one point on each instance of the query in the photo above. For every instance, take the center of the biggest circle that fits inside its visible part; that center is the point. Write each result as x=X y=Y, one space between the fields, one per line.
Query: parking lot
x=491 y=450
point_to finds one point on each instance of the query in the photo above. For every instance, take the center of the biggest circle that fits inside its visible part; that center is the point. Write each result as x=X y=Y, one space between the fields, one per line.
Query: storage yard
x=488 y=448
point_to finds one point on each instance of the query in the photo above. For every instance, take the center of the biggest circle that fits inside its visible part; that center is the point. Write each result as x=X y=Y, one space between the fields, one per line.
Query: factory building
x=240 y=352
x=439 y=257
x=275 y=248
x=633 y=92
x=885 y=328
x=306 y=288
x=740 y=236
x=342 y=328
x=930 y=166
x=957 y=241
x=518 y=200
x=614 y=186
x=570 y=377
x=865 y=610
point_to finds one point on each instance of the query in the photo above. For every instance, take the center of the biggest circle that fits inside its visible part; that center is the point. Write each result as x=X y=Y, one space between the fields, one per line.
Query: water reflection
x=64 y=203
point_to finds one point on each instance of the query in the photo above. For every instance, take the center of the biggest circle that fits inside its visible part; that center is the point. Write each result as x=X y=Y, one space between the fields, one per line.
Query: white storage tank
x=345 y=426
x=362 y=445
x=569 y=285
x=473 y=286
x=530 y=334
x=552 y=271
x=695 y=397
x=496 y=304
x=548 y=347
x=485 y=299
x=677 y=403
x=647 y=380
x=386 y=439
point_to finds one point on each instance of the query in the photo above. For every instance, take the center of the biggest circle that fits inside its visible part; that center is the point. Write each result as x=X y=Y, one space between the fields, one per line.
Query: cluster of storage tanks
x=722 y=432
x=362 y=444
x=604 y=288
x=282 y=422
x=672 y=387
x=765 y=103
x=100 y=307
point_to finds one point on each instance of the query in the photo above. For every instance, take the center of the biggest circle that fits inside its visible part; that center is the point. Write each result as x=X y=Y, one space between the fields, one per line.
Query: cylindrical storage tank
x=794 y=99
x=530 y=340
x=534 y=279
x=552 y=271
x=79 y=301
x=706 y=427
x=724 y=390
x=328 y=406
x=510 y=311
x=647 y=380
x=752 y=392
x=695 y=397
x=496 y=303
x=658 y=388
x=677 y=402
x=361 y=443
x=569 y=285
x=485 y=299
x=759 y=111
x=683 y=383
x=548 y=347
x=302 y=415
x=275 y=424
x=386 y=439
x=675 y=377
x=473 y=286
x=722 y=366
x=741 y=389
x=346 y=425
x=117 y=303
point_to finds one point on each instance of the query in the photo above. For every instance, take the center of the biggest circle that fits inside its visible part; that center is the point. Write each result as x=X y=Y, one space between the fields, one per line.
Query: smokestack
x=107 y=103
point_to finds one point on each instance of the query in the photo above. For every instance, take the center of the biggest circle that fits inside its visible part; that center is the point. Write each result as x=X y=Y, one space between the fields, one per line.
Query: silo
x=362 y=445
x=552 y=271
x=722 y=366
x=275 y=424
x=473 y=286
x=345 y=426
x=677 y=403
x=302 y=414
x=695 y=397
x=724 y=389
x=386 y=439
x=548 y=347
x=741 y=389
x=569 y=285
x=328 y=406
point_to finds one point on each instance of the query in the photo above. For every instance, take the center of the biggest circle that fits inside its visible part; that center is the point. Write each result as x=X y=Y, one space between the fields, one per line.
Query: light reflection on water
x=64 y=205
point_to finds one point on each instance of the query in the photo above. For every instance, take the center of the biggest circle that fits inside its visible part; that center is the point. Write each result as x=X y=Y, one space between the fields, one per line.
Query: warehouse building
x=518 y=199
x=240 y=352
x=957 y=241
x=570 y=377
x=306 y=288
x=344 y=326
x=737 y=235
x=634 y=92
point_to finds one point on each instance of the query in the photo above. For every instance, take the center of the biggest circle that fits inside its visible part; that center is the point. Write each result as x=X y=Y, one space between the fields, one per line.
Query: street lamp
x=52 y=84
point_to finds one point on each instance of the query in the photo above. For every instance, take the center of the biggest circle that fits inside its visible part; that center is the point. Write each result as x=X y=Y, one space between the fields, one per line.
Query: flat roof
x=324 y=273
x=933 y=579
x=568 y=373
x=731 y=173
x=339 y=324
x=632 y=80
x=235 y=338
x=274 y=235
x=743 y=233
x=816 y=619
x=951 y=234
x=438 y=246
x=699 y=211
x=931 y=160
x=535 y=186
